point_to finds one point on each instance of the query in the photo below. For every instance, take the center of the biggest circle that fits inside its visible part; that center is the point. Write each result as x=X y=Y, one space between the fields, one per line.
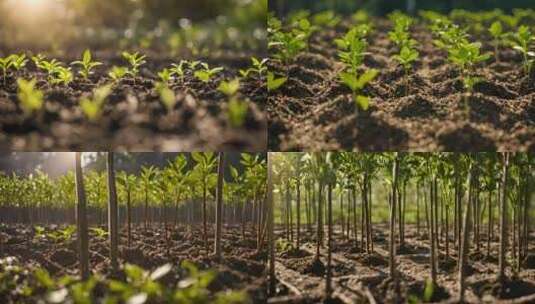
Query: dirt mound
x=64 y=257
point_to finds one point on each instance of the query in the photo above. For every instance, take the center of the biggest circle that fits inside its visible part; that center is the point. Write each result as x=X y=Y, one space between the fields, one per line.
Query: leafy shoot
x=31 y=99
x=92 y=108
x=87 y=64
x=273 y=83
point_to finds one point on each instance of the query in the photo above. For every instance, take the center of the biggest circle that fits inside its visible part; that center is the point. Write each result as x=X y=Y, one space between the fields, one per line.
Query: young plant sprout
x=92 y=108
x=352 y=47
x=522 y=40
x=18 y=61
x=356 y=84
x=406 y=57
x=135 y=60
x=206 y=73
x=179 y=69
x=466 y=55
x=5 y=63
x=326 y=19
x=167 y=96
x=117 y=73
x=259 y=68
x=273 y=83
x=237 y=109
x=496 y=31
x=165 y=76
x=31 y=99
x=287 y=44
x=87 y=64
x=62 y=75
x=38 y=59
x=49 y=66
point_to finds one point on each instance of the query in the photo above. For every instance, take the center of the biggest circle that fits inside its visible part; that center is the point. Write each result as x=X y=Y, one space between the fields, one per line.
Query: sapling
x=352 y=47
x=18 y=61
x=205 y=74
x=406 y=57
x=287 y=44
x=356 y=84
x=117 y=73
x=165 y=76
x=92 y=108
x=259 y=67
x=237 y=109
x=31 y=99
x=62 y=75
x=179 y=69
x=466 y=55
x=4 y=65
x=167 y=96
x=135 y=60
x=496 y=31
x=521 y=43
x=49 y=66
x=274 y=82
x=87 y=64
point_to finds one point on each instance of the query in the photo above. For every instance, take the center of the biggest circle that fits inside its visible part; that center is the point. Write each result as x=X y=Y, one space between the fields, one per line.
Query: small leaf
x=363 y=102
x=160 y=272
x=139 y=298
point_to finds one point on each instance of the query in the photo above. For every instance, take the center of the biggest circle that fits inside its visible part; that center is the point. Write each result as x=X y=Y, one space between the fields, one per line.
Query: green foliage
x=135 y=60
x=205 y=74
x=165 y=75
x=99 y=232
x=92 y=108
x=326 y=18
x=237 y=109
x=521 y=42
x=87 y=65
x=353 y=46
x=356 y=84
x=62 y=75
x=140 y=286
x=62 y=235
x=179 y=69
x=400 y=34
x=406 y=57
x=259 y=67
x=167 y=96
x=273 y=83
x=466 y=55
x=117 y=73
x=31 y=99
x=287 y=44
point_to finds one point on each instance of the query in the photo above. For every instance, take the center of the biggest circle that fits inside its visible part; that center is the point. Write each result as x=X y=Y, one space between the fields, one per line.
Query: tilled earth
x=241 y=268
x=133 y=117
x=314 y=111
x=360 y=277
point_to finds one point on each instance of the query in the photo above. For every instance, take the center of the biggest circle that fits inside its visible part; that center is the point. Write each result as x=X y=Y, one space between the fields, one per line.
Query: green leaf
x=349 y=80
x=496 y=29
x=87 y=56
x=160 y=271
x=363 y=102
x=274 y=83
x=229 y=88
x=429 y=290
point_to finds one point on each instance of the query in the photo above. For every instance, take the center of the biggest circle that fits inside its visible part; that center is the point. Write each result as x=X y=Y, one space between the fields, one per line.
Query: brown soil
x=240 y=268
x=133 y=116
x=313 y=111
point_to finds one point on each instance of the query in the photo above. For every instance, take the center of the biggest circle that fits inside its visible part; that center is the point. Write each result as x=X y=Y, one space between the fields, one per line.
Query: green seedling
x=38 y=59
x=165 y=76
x=406 y=57
x=99 y=232
x=521 y=42
x=352 y=47
x=167 y=96
x=206 y=73
x=5 y=63
x=179 y=69
x=92 y=108
x=50 y=67
x=87 y=64
x=273 y=83
x=496 y=31
x=356 y=84
x=117 y=73
x=62 y=76
x=31 y=99
x=18 y=61
x=287 y=44
x=135 y=60
x=194 y=64
x=466 y=56
x=400 y=34
x=237 y=109
x=259 y=68
x=326 y=19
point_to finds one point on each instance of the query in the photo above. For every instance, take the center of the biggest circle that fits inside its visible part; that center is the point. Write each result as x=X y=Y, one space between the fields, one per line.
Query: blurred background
x=56 y=24
x=383 y=7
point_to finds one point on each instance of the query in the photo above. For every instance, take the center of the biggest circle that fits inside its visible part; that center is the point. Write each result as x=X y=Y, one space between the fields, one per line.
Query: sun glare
x=31 y=7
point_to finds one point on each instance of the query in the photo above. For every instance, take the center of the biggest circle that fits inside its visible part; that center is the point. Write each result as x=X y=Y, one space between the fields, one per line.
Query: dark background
x=382 y=7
